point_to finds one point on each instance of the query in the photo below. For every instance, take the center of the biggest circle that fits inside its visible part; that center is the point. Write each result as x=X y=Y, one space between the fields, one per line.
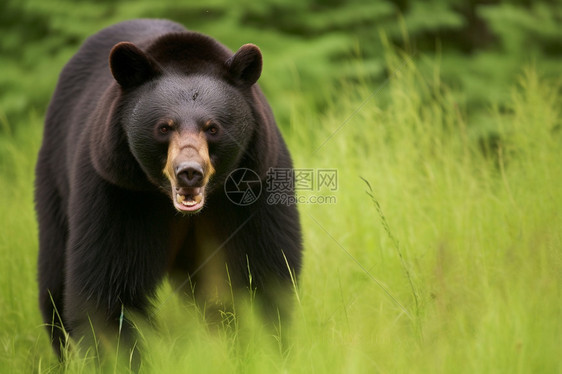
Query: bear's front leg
x=263 y=247
x=115 y=260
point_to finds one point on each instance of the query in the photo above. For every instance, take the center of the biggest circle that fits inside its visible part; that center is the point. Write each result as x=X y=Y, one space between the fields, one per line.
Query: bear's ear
x=245 y=66
x=130 y=66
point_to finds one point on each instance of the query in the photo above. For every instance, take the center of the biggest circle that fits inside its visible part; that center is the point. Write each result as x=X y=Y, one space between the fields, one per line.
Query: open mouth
x=189 y=199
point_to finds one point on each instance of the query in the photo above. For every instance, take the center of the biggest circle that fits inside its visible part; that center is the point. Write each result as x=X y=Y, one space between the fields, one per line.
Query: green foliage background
x=447 y=257
x=479 y=45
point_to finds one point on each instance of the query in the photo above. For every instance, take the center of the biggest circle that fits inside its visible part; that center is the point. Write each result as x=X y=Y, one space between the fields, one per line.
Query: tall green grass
x=442 y=253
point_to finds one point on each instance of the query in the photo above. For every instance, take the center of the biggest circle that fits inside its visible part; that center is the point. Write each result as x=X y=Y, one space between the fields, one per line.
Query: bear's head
x=190 y=113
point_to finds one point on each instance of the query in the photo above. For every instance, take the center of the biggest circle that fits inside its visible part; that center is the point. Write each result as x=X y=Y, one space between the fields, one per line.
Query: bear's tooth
x=180 y=198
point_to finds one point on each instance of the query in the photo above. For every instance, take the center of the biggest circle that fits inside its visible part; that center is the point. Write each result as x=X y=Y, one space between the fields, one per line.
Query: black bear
x=146 y=125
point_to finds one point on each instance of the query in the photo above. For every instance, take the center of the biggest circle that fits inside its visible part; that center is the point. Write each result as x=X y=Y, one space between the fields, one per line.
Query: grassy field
x=442 y=252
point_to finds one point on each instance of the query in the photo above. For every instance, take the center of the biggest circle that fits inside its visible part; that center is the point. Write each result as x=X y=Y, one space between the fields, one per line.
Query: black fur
x=108 y=231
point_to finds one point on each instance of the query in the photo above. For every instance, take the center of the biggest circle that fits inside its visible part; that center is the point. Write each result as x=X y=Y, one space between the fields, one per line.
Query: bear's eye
x=212 y=129
x=164 y=128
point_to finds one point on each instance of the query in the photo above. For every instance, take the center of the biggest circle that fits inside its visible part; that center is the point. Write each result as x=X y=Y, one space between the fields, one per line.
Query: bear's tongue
x=189 y=196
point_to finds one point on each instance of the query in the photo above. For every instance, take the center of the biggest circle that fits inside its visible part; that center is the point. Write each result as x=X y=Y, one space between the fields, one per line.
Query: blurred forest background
x=309 y=46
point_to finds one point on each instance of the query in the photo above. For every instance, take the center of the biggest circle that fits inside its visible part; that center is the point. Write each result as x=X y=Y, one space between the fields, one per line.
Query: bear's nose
x=189 y=174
